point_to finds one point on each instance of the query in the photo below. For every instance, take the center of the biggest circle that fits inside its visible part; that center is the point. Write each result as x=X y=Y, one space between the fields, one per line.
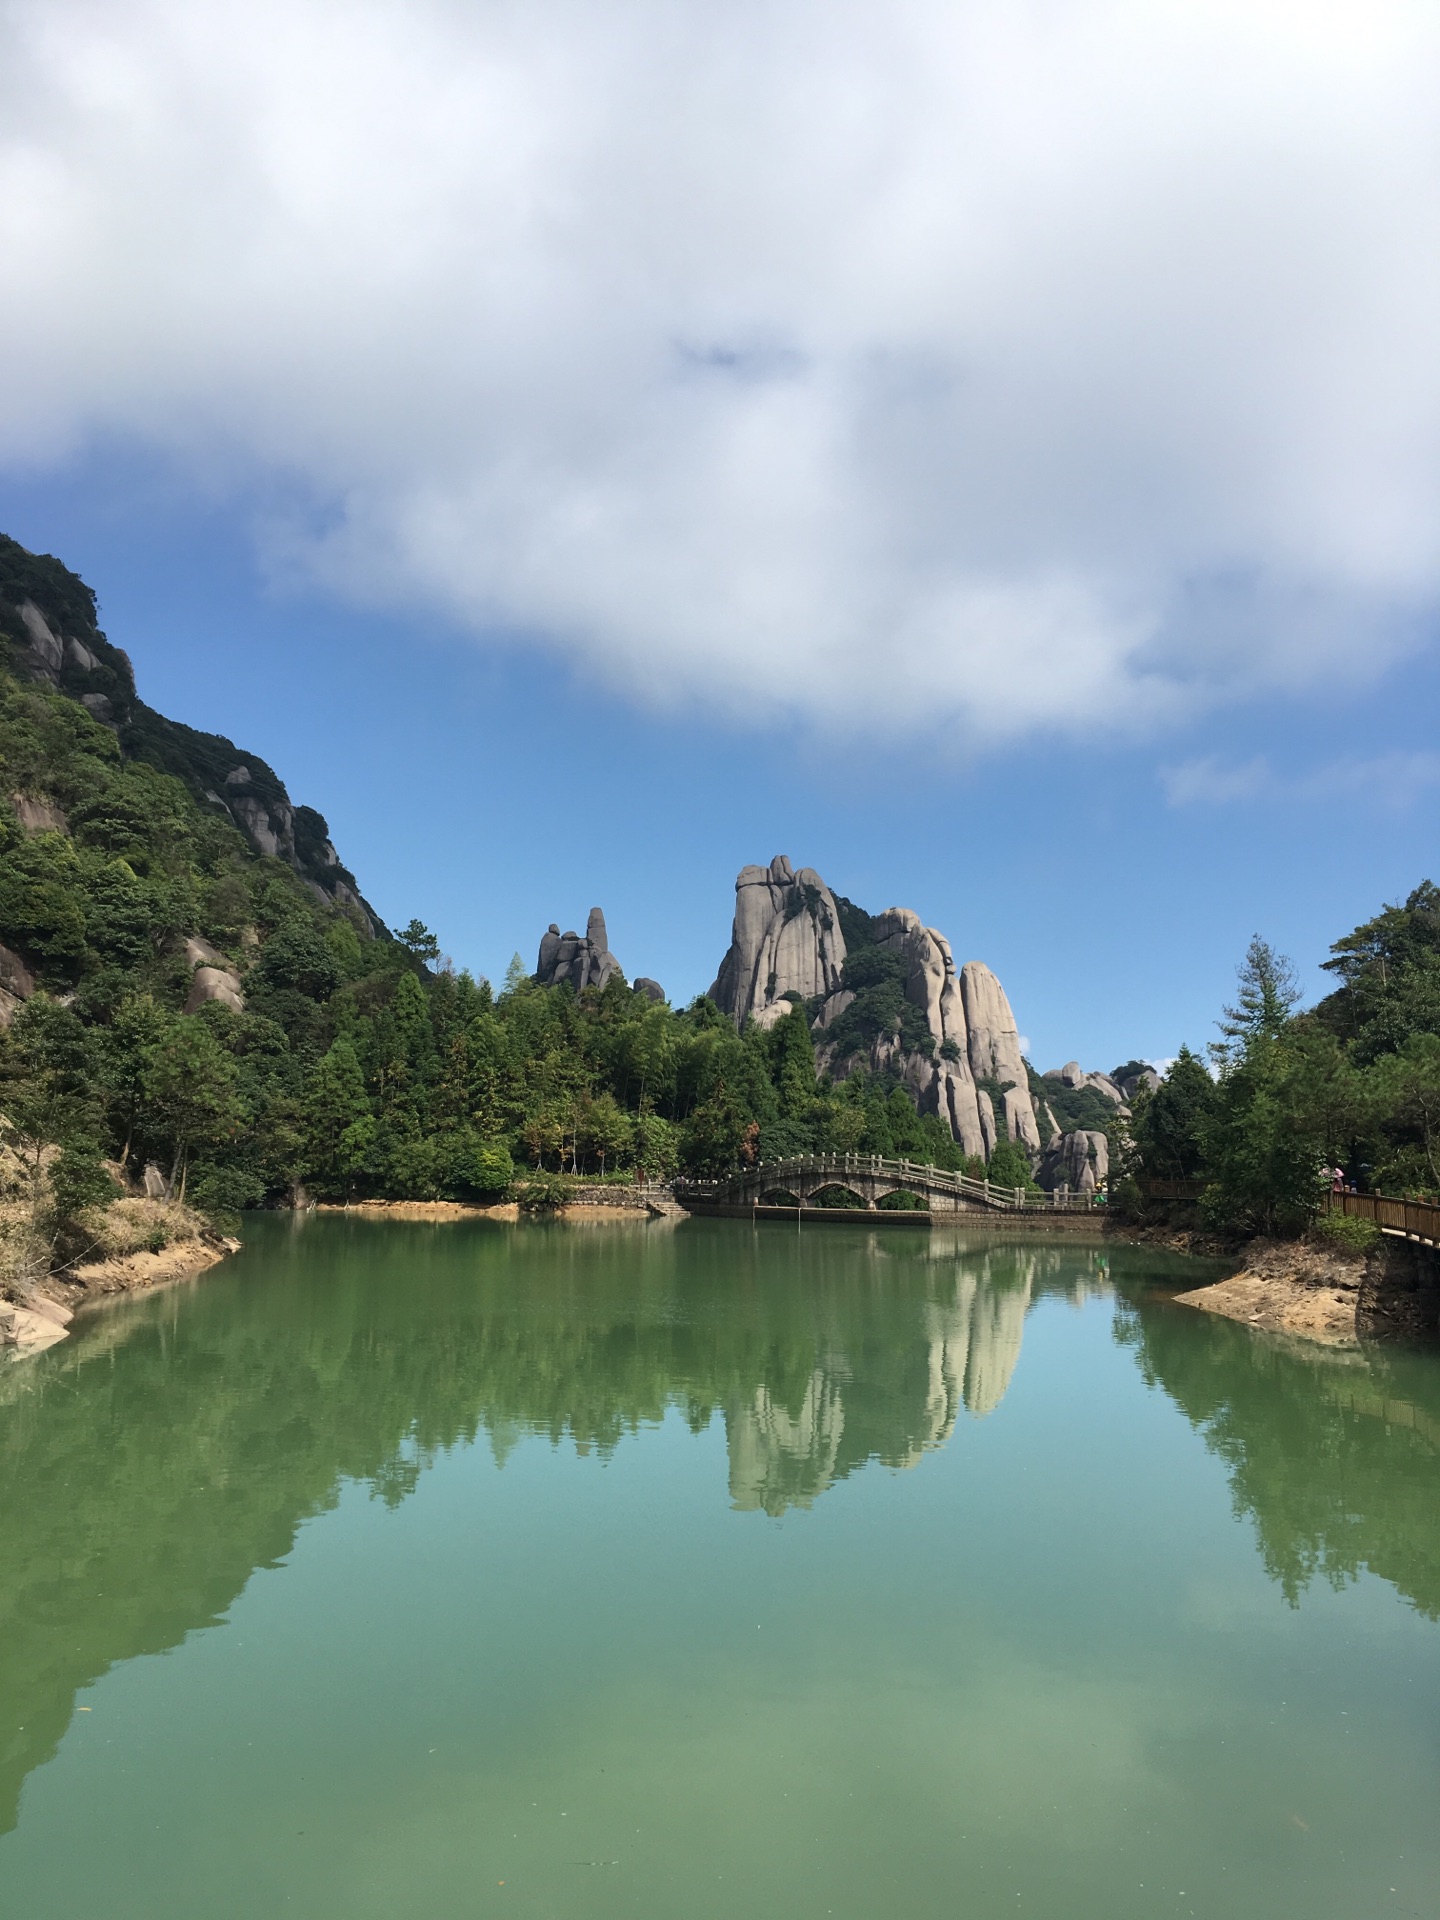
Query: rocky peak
x=786 y=939
x=586 y=962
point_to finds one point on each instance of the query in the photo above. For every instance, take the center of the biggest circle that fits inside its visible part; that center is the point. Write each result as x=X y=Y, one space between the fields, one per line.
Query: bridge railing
x=1416 y=1219
x=905 y=1173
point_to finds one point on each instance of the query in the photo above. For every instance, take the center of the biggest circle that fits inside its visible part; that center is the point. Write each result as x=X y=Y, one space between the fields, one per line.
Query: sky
x=989 y=453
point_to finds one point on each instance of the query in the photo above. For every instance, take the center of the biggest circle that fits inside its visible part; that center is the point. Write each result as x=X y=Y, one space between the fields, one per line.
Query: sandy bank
x=1328 y=1294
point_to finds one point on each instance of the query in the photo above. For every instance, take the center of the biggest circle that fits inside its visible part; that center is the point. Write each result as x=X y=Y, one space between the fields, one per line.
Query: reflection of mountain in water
x=152 y=1462
x=961 y=1350
x=1335 y=1455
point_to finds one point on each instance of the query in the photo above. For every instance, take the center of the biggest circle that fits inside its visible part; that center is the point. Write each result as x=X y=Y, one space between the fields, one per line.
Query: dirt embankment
x=1334 y=1295
x=135 y=1244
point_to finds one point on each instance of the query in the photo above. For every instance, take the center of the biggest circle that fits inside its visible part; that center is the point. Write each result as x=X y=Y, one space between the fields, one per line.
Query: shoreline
x=1331 y=1296
x=44 y=1317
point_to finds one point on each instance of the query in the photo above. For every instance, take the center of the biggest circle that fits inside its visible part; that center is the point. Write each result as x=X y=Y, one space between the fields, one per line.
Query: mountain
x=882 y=992
x=52 y=638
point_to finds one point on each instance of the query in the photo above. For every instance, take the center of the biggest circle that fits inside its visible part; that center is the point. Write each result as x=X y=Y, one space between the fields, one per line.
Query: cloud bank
x=1003 y=366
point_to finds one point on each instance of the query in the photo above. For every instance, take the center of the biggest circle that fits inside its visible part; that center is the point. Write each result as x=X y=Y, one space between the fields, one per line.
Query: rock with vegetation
x=884 y=998
x=1079 y=1161
x=787 y=942
x=48 y=621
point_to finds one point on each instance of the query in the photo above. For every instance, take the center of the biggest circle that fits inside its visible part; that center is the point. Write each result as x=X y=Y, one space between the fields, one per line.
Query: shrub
x=543 y=1193
x=1343 y=1231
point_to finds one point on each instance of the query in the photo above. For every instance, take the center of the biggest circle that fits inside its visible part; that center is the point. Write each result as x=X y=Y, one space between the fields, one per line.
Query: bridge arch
x=903 y=1200
x=833 y=1194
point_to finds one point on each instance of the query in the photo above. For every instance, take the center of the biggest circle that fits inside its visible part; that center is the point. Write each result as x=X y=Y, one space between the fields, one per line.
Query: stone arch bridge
x=795 y=1185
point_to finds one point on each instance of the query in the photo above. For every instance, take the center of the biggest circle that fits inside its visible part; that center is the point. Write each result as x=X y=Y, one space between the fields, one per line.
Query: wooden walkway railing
x=1415 y=1219
x=909 y=1174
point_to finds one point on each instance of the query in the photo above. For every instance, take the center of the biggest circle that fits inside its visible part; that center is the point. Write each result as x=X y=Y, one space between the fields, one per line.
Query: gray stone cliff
x=787 y=939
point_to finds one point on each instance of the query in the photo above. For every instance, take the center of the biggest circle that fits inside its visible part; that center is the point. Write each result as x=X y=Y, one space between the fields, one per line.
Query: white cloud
x=1009 y=366
x=1387 y=782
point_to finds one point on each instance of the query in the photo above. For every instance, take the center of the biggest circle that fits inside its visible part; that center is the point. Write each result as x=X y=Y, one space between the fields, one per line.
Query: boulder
x=584 y=963
x=652 y=989
x=214 y=983
x=785 y=939
x=45 y=643
x=200 y=953
x=38 y=813
x=1131 y=1083
x=27 y=1331
x=15 y=977
x=1079 y=1161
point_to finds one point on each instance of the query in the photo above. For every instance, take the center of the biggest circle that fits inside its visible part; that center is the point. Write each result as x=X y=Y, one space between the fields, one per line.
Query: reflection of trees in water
x=1335 y=1455
x=151 y=1463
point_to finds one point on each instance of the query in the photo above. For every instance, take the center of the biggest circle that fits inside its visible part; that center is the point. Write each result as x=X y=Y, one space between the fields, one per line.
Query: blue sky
x=990 y=454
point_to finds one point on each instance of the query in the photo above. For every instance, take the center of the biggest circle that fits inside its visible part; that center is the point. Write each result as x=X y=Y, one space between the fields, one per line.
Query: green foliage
x=1077 y=1109
x=543 y=1193
x=880 y=1010
x=1009 y=1166
x=1171 y=1124
x=1343 y=1230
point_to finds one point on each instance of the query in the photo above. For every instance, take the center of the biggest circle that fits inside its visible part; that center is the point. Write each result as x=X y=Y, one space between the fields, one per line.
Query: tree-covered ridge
x=1353 y=1082
x=50 y=634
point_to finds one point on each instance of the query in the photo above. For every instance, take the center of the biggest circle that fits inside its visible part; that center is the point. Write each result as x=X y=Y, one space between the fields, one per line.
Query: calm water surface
x=567 y=1572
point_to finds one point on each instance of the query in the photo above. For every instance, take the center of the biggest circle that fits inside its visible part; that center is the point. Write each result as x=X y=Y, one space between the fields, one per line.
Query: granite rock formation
x=1074 y=1076
x=212 y=978
x=788 y=944
x=584 y=962
x=1079 y=1160
x=974 y=1034
x=786 y=940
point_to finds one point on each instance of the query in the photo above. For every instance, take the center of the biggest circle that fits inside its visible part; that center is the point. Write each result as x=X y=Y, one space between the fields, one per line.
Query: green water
x=575 y=1571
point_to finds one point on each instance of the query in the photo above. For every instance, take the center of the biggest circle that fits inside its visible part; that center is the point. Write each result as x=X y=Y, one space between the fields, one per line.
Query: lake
x=576 y=1570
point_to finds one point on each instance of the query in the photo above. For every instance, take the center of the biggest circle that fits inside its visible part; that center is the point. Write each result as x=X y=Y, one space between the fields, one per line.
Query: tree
x=419 y=943
x=1268 y=995
x=720 y=1136
x=1404 y=1090
x=1170 y=1126
x=339 y=1129
x=1009 y=1165
x=191 y=1092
